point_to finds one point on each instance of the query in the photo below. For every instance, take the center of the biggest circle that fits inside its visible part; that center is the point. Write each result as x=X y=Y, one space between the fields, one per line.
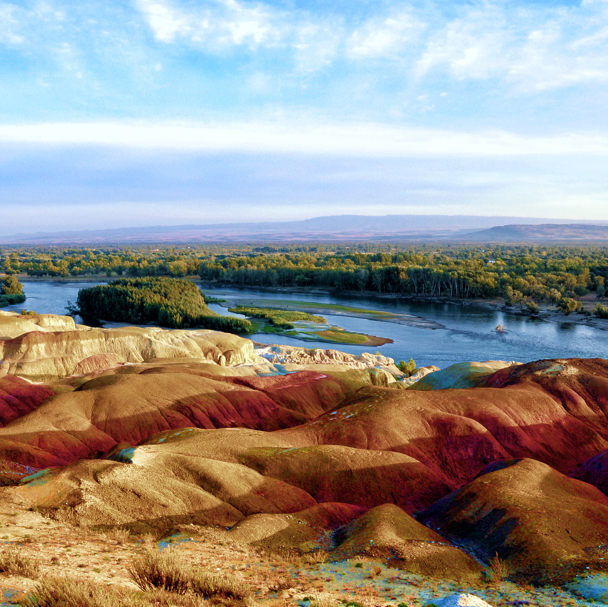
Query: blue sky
x=144 y=112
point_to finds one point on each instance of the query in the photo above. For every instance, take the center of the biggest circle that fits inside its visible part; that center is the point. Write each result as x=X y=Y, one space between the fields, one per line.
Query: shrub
x=532 y=307
x=13 y=562
x=407 y=367
x=10 y=300
x=568 y=305
x=601 y=311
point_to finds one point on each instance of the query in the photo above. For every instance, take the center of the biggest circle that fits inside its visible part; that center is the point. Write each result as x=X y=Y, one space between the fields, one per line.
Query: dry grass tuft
x=121 y=535
x=210 y=585
x=325 y=600
x=161 y=570
x=67 y=592
x=499 y=569
x=168 y=572
x=14 y=563
x=316 y=556
x=162 y=598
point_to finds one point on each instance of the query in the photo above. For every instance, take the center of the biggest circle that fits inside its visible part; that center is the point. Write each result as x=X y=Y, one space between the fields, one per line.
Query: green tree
x=601 y=311
x=408 y=367
x=568 y=305
x=11 y=286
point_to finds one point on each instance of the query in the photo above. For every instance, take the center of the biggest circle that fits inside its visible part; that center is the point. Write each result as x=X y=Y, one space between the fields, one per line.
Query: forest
x=522 y=274
x=167 y=302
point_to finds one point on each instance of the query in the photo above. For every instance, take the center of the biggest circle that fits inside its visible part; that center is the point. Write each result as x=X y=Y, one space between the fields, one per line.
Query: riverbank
x=430 y=333
x=498 y=304
x=546 y=313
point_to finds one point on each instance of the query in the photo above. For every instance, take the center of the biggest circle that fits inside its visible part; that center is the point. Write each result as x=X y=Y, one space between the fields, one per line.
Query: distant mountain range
x=339 y=228
x=546 y=232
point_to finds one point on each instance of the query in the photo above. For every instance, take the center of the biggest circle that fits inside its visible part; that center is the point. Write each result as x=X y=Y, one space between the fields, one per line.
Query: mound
x=533 y=517
x=112 y=493
x=310 y=529
x=458 y=432
x=389 y=530
x=460 y=375
x=220 y=463
x=135 y=406
x=362 y=477
x=581 y=385
x=18 y=397
x=594 y=471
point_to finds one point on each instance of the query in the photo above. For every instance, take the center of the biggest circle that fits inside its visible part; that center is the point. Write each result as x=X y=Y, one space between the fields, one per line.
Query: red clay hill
x=318 y=458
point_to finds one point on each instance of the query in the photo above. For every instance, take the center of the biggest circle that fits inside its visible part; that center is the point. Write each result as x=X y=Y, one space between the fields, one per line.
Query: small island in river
x=303 y=325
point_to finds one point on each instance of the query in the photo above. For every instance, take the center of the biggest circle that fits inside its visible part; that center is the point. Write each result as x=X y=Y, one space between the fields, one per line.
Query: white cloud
x=383 y=37
x=531 y=50
x=316 y=45
x=9 y=24
x=346 y=139
x=165 y=22
x=471 y=46
x=226 y=22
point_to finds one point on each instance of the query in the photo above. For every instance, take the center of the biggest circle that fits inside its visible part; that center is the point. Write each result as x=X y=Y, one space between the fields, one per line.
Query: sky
x=117 y=113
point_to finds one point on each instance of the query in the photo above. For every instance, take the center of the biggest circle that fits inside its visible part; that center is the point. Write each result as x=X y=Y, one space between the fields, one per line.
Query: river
x=460 y=334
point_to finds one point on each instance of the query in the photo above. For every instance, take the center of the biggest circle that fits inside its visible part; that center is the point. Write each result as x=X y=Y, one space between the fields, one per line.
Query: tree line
x=516 y=273
x=520 y=274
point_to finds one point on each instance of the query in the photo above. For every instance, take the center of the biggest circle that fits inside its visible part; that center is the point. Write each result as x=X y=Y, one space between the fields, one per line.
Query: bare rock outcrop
x=43 y=355
x=13 y=324
x=294 y=358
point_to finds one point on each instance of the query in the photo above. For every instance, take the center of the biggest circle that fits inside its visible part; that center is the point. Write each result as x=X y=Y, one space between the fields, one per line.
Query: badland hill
x=157 y=431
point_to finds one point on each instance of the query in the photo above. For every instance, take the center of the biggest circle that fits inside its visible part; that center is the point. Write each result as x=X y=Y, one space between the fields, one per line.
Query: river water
x=460 y=334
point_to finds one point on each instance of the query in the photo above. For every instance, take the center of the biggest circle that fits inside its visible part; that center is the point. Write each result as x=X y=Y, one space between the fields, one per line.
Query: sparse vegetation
x=69 y=592
x=166 y=571
x=341 y=336
x=13 y=562
x=160 y=570
x=499 y=569
x=279 y=318
x=210 y=584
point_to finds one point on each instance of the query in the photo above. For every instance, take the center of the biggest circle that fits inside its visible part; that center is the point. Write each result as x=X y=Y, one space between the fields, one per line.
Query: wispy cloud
x=344 y=139
x=10 y=20
x=219 y=24
x=529 y=49
x=384 y=36
x=470 y=46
